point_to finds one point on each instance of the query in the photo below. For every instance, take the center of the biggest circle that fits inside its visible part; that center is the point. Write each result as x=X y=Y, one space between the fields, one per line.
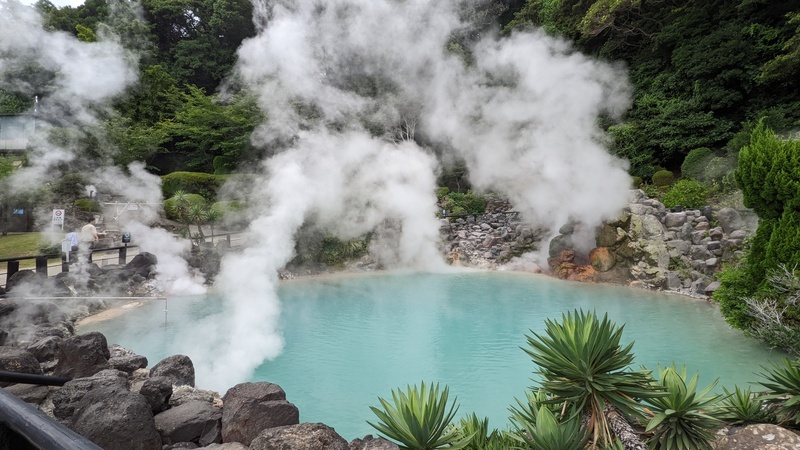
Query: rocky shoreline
x=116 y=401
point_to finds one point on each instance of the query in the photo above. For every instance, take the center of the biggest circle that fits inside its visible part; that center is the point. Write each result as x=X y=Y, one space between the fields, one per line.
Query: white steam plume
x=346 y=85
x=75 y=82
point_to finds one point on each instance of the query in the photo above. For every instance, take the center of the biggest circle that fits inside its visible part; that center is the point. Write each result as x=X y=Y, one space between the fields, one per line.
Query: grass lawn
x=23 y=244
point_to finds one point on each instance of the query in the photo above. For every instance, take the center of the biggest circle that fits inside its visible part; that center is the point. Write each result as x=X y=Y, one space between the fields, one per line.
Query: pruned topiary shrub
x=663 y=178
x=687 y=193
x=695 y=163
x=205 y=184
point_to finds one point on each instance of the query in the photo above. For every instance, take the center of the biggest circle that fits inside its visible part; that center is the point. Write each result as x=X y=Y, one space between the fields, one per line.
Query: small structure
x=16 y=131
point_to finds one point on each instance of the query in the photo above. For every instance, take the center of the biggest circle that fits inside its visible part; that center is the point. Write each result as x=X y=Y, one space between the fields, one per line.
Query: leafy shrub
x=441 y=192
x=418 y=419
x=663 y=178
x=636 y=182
x=205 y=184
x=682 y=420
x=175 y=211
x=460 y=204
x=694 y=163
x=478 y=437
x=87 y=204
x=6 y=167
x=70 y=186
x=686 y=192
x=335 y=251
x=550 y=433
x=651 y=191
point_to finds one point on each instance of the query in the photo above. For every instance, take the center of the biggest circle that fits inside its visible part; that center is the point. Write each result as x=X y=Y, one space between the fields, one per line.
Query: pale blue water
x=352 y=339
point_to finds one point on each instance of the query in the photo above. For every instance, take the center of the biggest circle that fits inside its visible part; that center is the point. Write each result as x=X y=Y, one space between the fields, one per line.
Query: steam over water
x=350 y=89
x=350 y=340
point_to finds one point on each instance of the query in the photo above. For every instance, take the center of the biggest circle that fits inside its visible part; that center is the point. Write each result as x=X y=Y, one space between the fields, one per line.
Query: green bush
x=228 y=206
x=205 y=184
x=663 y=178
x=695 y=162
x=172 y=210
x=469 y=203
x=783 y=383
x=441 y=192
x=636 y=182
x=687 y=193
x=87 y=204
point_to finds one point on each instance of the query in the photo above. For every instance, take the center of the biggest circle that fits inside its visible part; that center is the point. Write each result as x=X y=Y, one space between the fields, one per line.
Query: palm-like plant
x=548 y=433
x=742 y=407
x=419 y=419
x=479 y=437
x=583 y=365
x=783 y=383
x=682 y=420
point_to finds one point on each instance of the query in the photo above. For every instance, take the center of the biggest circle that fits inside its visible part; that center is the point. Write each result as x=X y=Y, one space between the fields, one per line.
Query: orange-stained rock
x=584 y=274
x=602 y=259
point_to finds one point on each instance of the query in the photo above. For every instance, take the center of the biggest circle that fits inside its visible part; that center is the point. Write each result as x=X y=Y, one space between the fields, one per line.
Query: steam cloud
x=347 y=84
x=76 y=82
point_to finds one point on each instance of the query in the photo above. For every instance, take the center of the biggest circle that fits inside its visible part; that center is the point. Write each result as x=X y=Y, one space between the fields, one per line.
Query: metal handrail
x=38 y=429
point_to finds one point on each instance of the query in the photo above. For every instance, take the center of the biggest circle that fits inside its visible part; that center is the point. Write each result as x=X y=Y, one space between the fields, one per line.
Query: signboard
x=133 y=206
x=58 y=217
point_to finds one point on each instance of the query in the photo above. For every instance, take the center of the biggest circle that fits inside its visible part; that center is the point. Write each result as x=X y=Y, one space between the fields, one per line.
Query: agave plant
x=419 y=419
x=784 y=386
x=548 y=433
x=583 y=365
x=682 y=420
x=479 y=437
x=742 y=407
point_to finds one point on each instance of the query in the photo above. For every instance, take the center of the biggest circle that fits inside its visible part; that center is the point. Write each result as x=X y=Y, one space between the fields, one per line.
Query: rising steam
x=347 y=85
x=74 y=83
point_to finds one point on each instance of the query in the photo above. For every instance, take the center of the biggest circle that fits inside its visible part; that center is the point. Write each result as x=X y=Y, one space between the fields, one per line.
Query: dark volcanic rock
x=179 y=368
x=157 y=391
x=17 y=360
x=45 y=349
x=128 y=364
x=82 y=356
x=371 y=443
x=305 y=436
x=189 y=422
x=102 y=409
x=29 y=393
x=250 y=408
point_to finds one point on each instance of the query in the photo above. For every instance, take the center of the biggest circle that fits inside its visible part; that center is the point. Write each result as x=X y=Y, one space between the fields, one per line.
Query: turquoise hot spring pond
x=350 y=339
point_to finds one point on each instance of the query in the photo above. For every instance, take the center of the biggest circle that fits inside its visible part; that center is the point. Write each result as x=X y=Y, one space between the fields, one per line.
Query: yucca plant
x=584 y=368
x=419 y=419
x=480 y=438
x=783 y=383
x=682 y=419
x=548 y=433
x=742 y=407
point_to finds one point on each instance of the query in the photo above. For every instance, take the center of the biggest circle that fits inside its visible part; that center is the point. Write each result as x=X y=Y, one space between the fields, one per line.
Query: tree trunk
x=626 y=434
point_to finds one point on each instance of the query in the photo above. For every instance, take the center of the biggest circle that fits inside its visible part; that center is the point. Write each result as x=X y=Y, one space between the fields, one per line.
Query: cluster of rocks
x=489 y=239
x=651 y=246
x=115 y=401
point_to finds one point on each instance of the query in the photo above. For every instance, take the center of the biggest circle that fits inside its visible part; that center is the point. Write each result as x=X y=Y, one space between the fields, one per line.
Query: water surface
x=352 y=339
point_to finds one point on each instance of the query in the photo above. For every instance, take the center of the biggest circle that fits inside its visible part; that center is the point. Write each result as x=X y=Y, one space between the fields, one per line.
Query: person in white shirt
x=89 y=235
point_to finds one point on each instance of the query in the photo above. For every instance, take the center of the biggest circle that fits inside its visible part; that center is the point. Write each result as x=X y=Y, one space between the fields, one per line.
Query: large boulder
x=82 y=356
x=142 y=264
x=730 y=219
x=602 y=259
x=760 y=436
x=305 y=436
x=13 y=359
x=250 y=408
x=197 y=422
x=179 y=368
x=157 y=391
x=102 y=409
x=46 y=349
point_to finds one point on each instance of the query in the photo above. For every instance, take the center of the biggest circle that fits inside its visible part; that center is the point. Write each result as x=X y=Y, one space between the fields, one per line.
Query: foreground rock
x=757 y=437
x=304 y=436
x=250 y=408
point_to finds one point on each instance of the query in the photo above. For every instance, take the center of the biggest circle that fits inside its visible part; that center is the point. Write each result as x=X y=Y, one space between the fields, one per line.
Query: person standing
x=89 y=238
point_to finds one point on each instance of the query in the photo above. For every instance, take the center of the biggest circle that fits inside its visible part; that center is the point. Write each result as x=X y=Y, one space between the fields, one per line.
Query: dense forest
x=712 y=80
x=703 y=73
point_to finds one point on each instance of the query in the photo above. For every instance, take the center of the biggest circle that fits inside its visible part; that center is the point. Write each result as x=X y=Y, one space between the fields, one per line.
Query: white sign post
x=58 y=218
